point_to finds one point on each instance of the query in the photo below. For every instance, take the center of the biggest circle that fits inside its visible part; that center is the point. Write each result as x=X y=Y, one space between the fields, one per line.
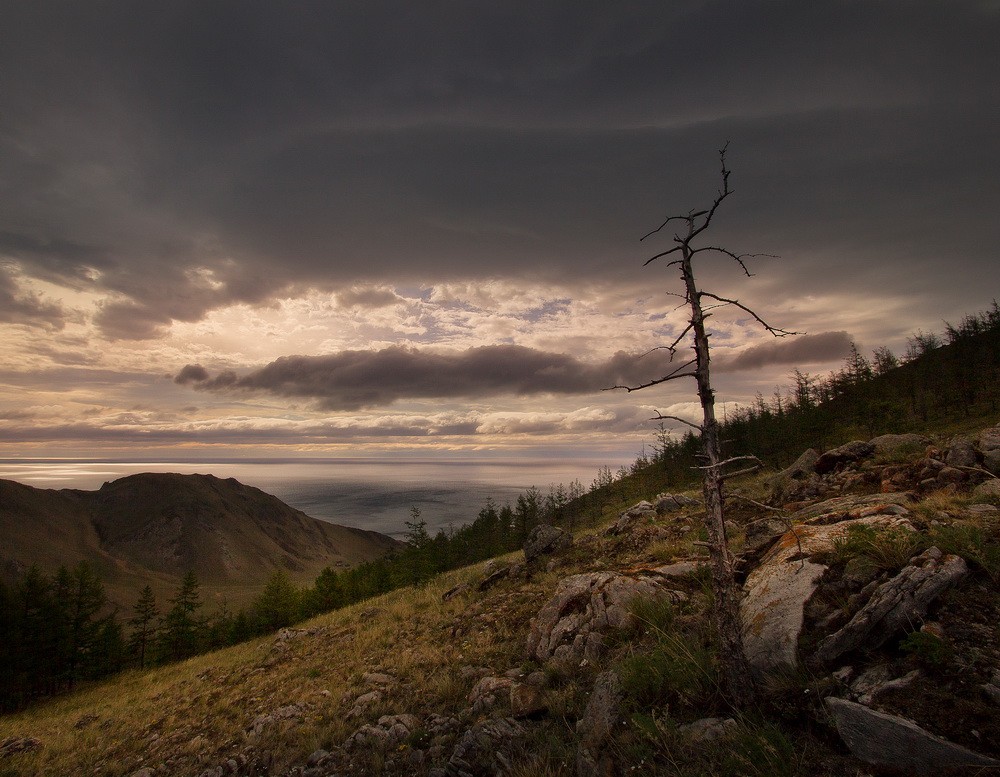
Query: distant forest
x=58 y=631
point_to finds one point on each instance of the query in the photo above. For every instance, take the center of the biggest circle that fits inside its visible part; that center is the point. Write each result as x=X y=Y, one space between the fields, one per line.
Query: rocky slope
x=871 y=617
x=156 y=527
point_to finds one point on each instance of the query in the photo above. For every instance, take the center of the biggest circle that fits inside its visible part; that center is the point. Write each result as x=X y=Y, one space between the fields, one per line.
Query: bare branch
x=688 y=218
x=720 y=464
x=738 y=258
x=663 y=253
x=736 y=303
x=744 y=471
x=670 y=376
x=660 y=417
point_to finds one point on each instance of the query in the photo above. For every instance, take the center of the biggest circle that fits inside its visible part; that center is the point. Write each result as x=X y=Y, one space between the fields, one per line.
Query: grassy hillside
x=266 y=706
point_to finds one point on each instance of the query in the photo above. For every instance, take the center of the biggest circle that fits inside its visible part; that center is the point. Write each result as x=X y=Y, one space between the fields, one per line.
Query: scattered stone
x=991 y=692
x=669 y=503
x=889 y=443
x=887 y=740
x=777 y=590
x=458 y=590
x=603 y=712
x=527 y=701
x=897 y=603
x=486 y=691
x=495 y=577
x=13 y=745
x=569 y=625
x=363 y=702
x=843 y=508
x=481 y=749
x=681 y=568
x=950 y=475
x=709 y=729
x=983 y=508
x=990 y=488
x=629 y=518
x=960 y=453
x=377 y=678
x=545 y=539
x=839 y=457
x=146 y=771
x=291 y=712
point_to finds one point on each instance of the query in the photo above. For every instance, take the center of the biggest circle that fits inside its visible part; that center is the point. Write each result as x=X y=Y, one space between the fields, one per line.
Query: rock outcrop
x=897 y=743
x=778 y=589
x=897 y=603
x=570 y=625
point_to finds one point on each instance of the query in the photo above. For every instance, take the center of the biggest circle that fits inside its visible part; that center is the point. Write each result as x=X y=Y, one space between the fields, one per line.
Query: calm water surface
x=366 y=493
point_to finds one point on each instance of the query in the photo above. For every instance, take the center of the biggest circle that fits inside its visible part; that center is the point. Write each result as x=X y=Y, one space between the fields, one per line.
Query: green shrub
x=927 y=649
x=973 y=543
x=887 y=548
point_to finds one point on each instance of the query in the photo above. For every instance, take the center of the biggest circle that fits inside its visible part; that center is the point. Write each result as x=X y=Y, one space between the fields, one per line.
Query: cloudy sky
x=258 y=228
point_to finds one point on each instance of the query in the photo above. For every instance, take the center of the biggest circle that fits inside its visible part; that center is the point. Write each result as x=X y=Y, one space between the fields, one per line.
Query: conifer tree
x=143 y=624
x=181 y=628
x=278 y=605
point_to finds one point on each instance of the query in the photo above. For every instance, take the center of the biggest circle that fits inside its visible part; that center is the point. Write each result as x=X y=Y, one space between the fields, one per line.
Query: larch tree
x=715 y=468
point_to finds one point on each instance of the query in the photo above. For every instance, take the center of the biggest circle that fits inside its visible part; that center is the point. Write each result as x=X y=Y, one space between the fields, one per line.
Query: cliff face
x=152 y=528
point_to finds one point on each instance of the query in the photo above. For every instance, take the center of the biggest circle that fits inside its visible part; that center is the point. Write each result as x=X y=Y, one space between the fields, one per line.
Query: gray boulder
x=989 y=488
x=545 y=539
x=849 y=453
x=803 y=466
x=960 y=453
x=569 y=626
x=636 y=513
x=669 y=503
x=890 y=741
x=482 y=749
x=890 y=443
x=897 y=603
x=601 y=717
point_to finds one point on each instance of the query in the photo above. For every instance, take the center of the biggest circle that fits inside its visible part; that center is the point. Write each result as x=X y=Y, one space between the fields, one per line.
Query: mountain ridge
x=152 y=528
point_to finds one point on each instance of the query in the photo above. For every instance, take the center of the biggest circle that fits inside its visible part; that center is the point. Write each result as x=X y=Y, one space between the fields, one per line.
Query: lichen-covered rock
x=960 y=453
x=772 y=610
x=897 y=603
x=13 y=745
x=545 y=540
x=900 y=744
x=636 y=513
x=482 y=749
x=669 y=503
x=570 y=624
x=989 y=488
x=848 y=453
x=890 y=443
x=603 y=712
x=803 y=466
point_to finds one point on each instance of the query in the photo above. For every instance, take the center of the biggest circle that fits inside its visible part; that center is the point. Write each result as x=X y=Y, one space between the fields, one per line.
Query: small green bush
x=927 y=649
x=973 y=543
x=888 y=548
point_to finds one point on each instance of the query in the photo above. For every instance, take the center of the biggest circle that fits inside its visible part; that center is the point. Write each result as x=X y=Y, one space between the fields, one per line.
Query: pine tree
x=143 y=624
x=278 y=604
x=181 y=629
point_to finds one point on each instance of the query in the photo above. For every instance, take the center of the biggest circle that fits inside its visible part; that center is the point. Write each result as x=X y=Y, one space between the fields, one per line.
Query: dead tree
x=715 y=469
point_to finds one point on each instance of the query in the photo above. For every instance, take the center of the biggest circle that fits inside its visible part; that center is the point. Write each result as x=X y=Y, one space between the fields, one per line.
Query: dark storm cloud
x=793 y=351
x=275 y=146
x=20 y=307
x=362 y=379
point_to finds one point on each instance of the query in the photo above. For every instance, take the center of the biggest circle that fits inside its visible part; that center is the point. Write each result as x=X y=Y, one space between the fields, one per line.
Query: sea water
x=375 y=494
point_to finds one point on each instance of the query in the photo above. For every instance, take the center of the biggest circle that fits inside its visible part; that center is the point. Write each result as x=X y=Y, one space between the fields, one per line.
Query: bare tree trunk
x=726 y=614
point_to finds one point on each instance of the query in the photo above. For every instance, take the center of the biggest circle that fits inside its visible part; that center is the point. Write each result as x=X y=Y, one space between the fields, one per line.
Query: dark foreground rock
x=898 y=743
